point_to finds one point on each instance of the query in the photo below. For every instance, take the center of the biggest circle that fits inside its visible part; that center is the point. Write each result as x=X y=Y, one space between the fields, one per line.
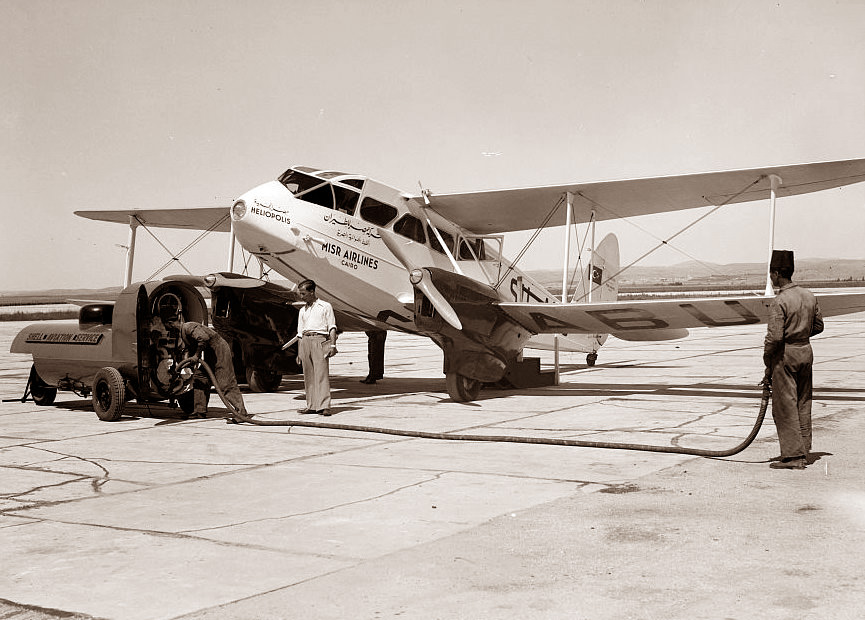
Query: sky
x=176 y=103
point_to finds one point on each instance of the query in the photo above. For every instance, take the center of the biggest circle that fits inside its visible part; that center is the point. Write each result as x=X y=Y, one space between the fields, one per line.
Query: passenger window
x=411 y=227
x=434 y=242
x=322 y=196
x=346 y=199
x=376 y=212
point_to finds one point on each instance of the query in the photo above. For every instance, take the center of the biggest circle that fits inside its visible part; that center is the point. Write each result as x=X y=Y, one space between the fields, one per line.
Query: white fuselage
x=298 y=235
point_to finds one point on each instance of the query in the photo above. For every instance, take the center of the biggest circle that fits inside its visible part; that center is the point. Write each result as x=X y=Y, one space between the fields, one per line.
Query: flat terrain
x=154 y=517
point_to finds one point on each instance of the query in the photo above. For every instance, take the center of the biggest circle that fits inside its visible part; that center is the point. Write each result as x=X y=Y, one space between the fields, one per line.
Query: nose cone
x=261 y=212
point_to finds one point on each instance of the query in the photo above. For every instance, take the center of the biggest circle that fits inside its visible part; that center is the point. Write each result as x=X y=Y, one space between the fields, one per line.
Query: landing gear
x=262 y=380
x=109 y=394
x=462 y=389
x=591 y=358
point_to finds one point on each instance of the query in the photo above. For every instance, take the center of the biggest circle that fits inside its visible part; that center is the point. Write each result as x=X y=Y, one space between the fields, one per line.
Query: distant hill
x=693 y=273
x=60 y=295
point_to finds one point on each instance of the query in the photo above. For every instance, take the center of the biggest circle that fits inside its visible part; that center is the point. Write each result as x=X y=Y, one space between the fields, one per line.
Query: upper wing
x=498 y=211
x=200 y=218
x=636 y=320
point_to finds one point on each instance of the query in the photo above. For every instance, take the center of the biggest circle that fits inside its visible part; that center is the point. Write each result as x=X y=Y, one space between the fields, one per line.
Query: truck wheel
x=462 y=389
x=262 y=380
x=109 y=394
x=42 y=393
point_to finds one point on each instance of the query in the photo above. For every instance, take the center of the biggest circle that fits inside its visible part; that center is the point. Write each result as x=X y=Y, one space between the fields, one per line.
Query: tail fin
x=602 y=273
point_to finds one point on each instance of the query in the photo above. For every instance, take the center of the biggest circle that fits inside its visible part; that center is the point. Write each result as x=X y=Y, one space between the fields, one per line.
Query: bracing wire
x=666 y=242
x=189 y=246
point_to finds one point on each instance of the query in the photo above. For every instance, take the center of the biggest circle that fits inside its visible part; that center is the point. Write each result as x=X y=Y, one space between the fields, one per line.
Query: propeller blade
x=216 y=280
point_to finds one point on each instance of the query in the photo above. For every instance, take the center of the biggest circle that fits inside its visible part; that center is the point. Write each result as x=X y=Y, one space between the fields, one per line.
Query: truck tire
x=42 y=393
x=109 y=394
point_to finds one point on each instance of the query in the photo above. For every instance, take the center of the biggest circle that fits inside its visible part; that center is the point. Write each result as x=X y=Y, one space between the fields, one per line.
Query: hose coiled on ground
x=549 y=441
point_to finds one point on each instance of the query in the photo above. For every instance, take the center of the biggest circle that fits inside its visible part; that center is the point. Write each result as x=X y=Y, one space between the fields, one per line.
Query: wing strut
x=130 y=251
x=775 y=181
x=231 y=240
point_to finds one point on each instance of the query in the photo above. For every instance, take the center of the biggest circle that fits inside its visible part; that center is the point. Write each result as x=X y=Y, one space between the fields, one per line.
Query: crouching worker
x=202 y=341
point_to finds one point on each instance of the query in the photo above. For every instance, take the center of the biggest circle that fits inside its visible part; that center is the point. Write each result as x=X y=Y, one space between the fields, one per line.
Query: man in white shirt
x=316 y=332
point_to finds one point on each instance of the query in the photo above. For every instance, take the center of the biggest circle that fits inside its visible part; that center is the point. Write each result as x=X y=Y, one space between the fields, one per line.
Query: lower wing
x=661 y=320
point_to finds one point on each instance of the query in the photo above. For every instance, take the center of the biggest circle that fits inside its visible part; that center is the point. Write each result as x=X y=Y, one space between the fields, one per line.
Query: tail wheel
x=262 y=380
x=462 y=389
x=42 y=393
x=591 y=358
x=109 y=394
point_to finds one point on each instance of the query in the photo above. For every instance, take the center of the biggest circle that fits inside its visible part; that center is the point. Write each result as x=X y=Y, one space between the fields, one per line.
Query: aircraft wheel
x=109 y=394
x=263 y=381
x=462 y=389
x=591 y=358
x=42 y=393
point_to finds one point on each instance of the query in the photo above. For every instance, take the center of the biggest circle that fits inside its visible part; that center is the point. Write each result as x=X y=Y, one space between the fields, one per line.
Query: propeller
x=420 y=279
x=215 y=280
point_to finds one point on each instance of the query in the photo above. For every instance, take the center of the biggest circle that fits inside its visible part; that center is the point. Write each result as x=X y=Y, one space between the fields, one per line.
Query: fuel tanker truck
x=116 y=352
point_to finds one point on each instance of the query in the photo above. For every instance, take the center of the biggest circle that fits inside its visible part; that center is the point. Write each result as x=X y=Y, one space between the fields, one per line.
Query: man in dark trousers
x=375 y=355
x=202 y=341
x=794 y=317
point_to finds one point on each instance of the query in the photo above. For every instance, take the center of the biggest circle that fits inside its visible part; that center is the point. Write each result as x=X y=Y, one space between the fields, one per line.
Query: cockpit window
x=330 y=174
x=466 y=247
x=298 y=182
x=322 y=196
x=358 y=183
x=376 y=212
x=346 y=199
x=434 y=242
x=411 y=227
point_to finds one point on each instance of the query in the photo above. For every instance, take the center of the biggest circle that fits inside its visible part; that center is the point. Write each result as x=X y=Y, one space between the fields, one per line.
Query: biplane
x=433 y=264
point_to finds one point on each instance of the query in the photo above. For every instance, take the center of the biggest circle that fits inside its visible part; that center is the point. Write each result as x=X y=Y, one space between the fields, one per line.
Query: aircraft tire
x=263 y=381
x=42 y=393
x=462 y=389
x=109 y=394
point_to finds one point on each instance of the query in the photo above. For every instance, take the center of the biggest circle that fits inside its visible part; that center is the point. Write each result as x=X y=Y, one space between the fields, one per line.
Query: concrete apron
x=151 y=517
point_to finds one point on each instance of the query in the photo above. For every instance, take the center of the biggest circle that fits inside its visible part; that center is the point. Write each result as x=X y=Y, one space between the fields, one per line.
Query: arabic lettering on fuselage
x=364 y=232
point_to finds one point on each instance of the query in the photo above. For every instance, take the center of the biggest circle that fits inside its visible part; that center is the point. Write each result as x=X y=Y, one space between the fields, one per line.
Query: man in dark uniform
x=375 y=355
x=202 y=340
x=794 y=317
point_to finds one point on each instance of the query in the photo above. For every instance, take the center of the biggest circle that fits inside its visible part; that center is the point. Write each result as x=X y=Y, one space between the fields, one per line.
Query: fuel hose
x=241 y=416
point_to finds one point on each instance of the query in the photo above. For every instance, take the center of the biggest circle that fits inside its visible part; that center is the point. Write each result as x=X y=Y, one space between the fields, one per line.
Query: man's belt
x=314 y=333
